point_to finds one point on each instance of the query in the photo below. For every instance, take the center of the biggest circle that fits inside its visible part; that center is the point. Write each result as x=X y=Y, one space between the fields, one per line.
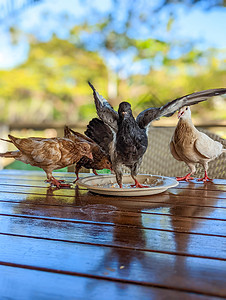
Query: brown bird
x=192 y=146
x=100 y=160
x=48 y=154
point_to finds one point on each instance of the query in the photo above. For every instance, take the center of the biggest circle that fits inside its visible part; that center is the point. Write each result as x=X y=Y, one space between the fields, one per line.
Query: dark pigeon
x=126 y=138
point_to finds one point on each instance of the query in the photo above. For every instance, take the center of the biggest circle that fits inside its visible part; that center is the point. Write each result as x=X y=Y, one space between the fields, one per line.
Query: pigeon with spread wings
x=48 y=154
x=128 y=140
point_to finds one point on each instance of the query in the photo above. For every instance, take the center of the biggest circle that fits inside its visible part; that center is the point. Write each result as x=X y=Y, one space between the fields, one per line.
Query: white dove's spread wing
x=104 y=110
x=167 y=110
x=207 y=147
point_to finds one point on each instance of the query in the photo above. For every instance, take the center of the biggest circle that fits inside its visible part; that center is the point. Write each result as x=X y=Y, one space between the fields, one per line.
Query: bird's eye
x=186 y=108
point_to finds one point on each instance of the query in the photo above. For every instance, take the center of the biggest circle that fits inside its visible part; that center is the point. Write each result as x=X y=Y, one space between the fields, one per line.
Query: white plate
x=106 y=185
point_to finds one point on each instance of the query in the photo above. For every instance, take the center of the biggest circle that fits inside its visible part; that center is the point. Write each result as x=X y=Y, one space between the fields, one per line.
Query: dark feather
x=104 y=110
x=167 y=110
x=99 y=132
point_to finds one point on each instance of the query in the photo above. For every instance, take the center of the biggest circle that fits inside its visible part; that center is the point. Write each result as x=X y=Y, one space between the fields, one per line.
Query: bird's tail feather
x=66 y=131
x=5 y=140
x=10 y=154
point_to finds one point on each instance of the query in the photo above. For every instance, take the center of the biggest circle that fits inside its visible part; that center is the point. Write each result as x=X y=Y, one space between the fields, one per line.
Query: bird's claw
x=61 y=185
x=205 y=178
x=186 y=178
x=138 y=185
x=58 y=183
x=76 y=180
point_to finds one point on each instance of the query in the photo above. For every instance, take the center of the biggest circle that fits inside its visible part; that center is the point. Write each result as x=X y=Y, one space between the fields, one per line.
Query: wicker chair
x=159 y=161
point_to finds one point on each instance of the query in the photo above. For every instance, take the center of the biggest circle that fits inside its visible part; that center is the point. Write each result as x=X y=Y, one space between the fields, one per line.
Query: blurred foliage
x=51 y=86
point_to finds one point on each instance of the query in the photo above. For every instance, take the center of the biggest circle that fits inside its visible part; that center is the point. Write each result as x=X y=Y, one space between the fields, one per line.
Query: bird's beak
x=124 y=113
x=180 y=113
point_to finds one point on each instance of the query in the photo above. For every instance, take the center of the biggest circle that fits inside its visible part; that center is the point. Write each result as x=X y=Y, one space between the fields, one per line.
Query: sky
x=205 y=27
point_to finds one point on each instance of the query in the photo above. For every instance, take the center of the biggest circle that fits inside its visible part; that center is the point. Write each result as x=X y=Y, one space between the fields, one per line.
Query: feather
x=104 y=110
x=99 y=132
x=167 y=110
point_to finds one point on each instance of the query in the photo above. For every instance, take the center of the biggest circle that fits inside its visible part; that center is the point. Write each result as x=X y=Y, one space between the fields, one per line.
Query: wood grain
x=61 y=243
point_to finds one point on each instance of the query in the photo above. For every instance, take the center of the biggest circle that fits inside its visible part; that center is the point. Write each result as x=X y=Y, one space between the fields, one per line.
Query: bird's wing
x=173 y=151
x=82 y=137
x=104 y=110
x=100 y=133
x=40 y=150
x=76 y=136
x=67 y=132
x=167 y=110
x=46 y=153
x=207 y=147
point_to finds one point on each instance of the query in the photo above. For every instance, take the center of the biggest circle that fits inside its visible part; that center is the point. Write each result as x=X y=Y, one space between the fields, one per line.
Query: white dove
x=192 y=146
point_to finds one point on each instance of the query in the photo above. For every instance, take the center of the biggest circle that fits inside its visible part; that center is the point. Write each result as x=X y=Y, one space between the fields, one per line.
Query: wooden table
x=72 y=244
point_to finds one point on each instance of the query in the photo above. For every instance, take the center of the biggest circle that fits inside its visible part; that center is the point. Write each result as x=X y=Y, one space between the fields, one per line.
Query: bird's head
x=106 y=164
x=184 y=112
x=124 y=110
x=85 y=150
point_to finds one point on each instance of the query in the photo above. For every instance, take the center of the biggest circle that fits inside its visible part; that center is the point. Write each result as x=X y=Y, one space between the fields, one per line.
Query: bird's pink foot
x=138 y=185
x=77 y=178
x=186 y=178
x=58 y=183
x=205 y=178
x=61 y=180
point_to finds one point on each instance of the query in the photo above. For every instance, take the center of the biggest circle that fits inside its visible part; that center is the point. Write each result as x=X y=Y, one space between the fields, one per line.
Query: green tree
x=52 y=84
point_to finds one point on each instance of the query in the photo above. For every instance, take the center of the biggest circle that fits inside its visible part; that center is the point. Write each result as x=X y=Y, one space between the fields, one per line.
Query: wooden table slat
x=55 y=244
x=118 y=236
x=109 y=216
x=147 y=268
x=20 y=283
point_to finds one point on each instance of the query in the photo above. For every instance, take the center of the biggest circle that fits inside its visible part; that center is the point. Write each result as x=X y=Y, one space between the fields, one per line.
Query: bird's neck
x=183 y=129
x=129 y=120
x=186 y=122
